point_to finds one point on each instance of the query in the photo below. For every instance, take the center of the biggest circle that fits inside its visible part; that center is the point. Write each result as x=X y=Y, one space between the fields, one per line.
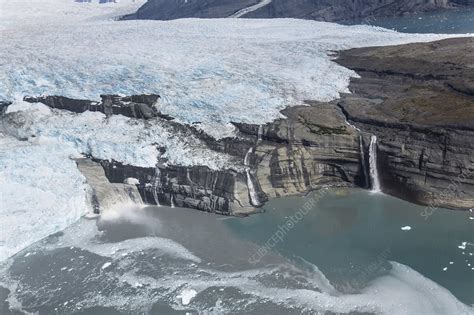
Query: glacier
x=42 y=192
x=207 y=71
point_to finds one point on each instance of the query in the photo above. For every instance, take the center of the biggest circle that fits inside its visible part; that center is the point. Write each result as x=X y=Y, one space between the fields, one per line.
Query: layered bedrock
x=419 y=101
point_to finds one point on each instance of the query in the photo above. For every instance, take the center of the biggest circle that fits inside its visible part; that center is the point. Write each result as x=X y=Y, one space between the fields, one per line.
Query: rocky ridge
x=320 y=10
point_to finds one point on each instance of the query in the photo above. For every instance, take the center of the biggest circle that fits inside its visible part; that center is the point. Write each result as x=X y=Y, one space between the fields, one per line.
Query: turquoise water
x=445 y=22
x=349 y=232
x=345 y=253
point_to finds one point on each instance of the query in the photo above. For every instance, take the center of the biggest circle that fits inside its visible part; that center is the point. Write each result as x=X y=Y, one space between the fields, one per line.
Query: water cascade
x=156 y=183
x=374 y=174
x=252 y=192
x=260 y=134
x=172 y=201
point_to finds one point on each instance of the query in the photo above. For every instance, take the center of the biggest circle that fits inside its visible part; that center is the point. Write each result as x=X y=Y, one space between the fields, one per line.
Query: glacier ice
x=207 y=71
x=42 y=192
x=126 y=140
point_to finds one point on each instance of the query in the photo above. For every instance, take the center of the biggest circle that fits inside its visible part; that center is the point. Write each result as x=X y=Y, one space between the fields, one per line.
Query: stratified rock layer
x=419 y=100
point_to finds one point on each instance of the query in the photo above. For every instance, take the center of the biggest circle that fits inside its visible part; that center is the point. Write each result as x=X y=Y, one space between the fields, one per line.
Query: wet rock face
x=313 y=147
x=104 y=195
x=424 y=121
x=222 y=192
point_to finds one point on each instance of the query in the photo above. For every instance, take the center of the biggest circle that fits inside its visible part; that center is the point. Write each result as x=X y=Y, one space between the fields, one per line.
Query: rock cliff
x=312 y=148
x=419 y=100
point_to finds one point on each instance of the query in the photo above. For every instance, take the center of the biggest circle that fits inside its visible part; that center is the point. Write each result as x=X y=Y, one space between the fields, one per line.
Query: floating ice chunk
x=106 y=265
x=186 y=296
x=445 y=268
x=406 y=228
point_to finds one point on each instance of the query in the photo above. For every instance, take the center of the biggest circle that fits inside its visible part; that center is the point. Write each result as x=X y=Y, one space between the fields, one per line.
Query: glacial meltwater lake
x=349 y=252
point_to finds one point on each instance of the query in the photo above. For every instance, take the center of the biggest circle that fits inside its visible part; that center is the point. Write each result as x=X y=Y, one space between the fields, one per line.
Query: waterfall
x=172 y=201
x=105 y=195
x=362 y=159
x=252 y=192
x=260 y=134
x=156 y=183
x=374 y=174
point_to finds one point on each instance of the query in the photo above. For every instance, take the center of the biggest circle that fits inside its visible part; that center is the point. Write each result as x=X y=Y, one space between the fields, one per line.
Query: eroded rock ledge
x=417 y=99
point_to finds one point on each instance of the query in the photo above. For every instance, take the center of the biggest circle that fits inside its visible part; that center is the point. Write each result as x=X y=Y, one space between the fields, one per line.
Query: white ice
x=208 y=71
x=126 y=140
x=186 y=296
x=41 y=192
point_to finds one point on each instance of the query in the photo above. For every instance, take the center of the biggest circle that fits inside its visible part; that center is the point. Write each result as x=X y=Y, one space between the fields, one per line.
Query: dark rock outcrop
x=136 y=106
x=321 y=10
x=342 y=10
x=172 y=9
